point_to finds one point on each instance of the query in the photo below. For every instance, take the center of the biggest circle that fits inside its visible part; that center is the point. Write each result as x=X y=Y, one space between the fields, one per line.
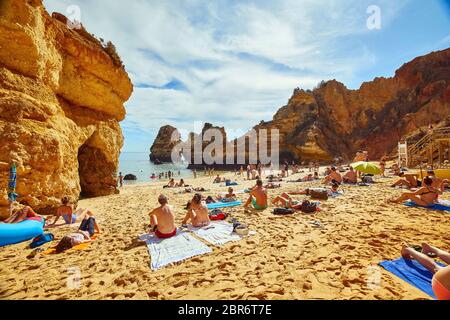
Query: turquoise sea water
x=138 y=163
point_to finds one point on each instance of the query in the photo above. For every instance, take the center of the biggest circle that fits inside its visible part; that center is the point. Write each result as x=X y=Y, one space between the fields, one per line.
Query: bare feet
x=429 y=250
x=406 y=252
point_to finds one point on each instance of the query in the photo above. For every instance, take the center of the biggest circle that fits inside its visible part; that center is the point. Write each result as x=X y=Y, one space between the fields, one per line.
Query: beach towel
x=337 y=194
x=412 y=272
x=219 y=205
x=80 y=247
x=164 y=252
x=443 y=205
x=217 y=233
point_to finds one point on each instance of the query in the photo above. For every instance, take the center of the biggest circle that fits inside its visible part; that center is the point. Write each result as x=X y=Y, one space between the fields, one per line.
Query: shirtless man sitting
x=350 y=177
x=409 y=180
x=333 y=175
x=162 y=219
x=197 y=212
x=258 y=197
x=425 y=196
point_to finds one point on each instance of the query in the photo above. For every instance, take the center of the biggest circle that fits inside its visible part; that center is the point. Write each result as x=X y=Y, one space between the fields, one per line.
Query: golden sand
x=288 y=258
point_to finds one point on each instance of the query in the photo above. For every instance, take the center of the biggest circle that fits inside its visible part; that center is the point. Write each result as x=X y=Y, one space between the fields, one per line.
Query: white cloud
x=239 y=61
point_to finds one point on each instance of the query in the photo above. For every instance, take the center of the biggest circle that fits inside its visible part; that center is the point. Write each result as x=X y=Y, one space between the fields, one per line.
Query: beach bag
x=367 y=179
x=217 y=214
x=88 y=225
x=308 y=207
x=41 y=240
x=283 y=211
x=318 y=194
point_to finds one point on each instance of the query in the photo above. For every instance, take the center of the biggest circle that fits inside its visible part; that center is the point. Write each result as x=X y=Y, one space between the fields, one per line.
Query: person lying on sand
x=425 y=196
x=192 y=190
x=332 y=190
x=272 y=185
x=273 y=178
x=197 y=213
x=350 y=177
x=229 y=197
x=258 y=197
x=438 y=183
x=162 y=219
x=441 y=275
x=409 y=180
x=287 y=201
x=21 y=215
x=333 y=175
x=71 y=240
x=218 y=179
x=171 y=184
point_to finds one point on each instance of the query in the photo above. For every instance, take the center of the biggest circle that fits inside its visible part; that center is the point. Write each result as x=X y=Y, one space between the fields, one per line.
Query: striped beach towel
x=164 y=252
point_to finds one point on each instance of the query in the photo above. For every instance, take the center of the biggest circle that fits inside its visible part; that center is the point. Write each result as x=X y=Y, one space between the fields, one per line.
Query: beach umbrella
x=12 y=195
x=366 y=167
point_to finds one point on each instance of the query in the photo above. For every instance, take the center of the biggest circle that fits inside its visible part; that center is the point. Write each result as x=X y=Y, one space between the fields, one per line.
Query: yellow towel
x=80 y=247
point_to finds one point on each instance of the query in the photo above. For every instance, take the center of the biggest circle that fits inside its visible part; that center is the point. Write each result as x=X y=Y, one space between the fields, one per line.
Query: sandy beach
x=288 y=258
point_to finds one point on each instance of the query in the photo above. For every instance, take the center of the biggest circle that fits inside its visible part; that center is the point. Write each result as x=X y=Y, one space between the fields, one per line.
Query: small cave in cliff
x=96 y=174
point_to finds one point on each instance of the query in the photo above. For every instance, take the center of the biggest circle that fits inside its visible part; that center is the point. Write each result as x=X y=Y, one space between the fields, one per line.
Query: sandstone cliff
x=161 y=151
x=332 y=121
x=61 y=101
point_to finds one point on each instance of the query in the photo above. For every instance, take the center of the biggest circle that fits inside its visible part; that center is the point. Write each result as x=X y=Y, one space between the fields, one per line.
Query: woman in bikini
x=22 y=214
x=425 y=196
x=197 y=212
x=441 y=275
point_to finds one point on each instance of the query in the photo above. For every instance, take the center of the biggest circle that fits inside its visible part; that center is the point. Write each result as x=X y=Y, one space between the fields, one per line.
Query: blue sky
x=235 y=63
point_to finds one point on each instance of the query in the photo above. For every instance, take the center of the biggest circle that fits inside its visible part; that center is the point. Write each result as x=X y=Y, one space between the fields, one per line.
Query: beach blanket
x=219 y=205
x=164 y=252
x=337 y=194
x=412 y=272
x=217 y=233
x=80 y=247
x=443 y=205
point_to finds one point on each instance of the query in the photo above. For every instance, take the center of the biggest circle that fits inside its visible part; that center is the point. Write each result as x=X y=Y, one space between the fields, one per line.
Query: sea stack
x=161 y=151
x=62 y=95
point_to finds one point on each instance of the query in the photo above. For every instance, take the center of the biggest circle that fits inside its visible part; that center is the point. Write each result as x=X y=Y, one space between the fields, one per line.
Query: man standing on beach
x=120 y=179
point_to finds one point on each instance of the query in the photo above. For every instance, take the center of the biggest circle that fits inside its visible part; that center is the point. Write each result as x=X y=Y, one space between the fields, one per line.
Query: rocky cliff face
x=61 y=101
x=161 y=151
x=333 y=121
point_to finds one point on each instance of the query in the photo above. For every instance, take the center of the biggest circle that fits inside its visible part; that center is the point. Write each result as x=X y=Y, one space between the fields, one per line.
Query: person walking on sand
x=162 y=219
x=197 y=213
x=120 y=179
x=258 y=197
x=441 y=275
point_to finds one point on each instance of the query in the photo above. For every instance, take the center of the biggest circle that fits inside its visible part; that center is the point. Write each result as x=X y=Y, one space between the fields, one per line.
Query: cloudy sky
x=234 y=63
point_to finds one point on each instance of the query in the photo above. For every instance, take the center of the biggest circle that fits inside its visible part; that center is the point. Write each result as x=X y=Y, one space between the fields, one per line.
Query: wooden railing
x=416 y=150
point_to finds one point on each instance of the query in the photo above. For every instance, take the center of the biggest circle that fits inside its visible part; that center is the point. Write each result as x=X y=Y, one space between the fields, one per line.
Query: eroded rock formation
x=161 y=150
x=333 y=121
x=61 y=101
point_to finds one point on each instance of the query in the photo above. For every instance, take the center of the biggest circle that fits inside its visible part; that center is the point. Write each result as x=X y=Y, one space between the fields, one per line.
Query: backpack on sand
x=318 y=194
x=308 y=207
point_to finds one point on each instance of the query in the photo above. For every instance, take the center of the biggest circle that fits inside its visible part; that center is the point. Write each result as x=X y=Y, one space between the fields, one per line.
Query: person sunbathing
x=258 y=197
x=350 y=177
x=229 y=197
x=441 y=275
x=21 y=215
x=409 y=180
x=330 y=191
x=171 y=184
x=333 y=175
x=438 y=183
x=66 y=212
x=287 y=202
x=181 y=184
x=197 y=213
x=192 y=190
x=272 y=185
x=162 y=219
x=71 y=240
x=218 y=179
x=425 y=196
x=273 y=178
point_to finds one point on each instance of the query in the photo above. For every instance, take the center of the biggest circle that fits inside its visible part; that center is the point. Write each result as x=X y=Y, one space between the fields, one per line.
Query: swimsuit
x=441 y=292
x=165 y=235
x=256 y=206
x=67 y=220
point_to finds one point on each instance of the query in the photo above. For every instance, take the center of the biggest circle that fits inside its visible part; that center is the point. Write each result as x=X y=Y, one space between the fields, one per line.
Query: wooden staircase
x=432 y=150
